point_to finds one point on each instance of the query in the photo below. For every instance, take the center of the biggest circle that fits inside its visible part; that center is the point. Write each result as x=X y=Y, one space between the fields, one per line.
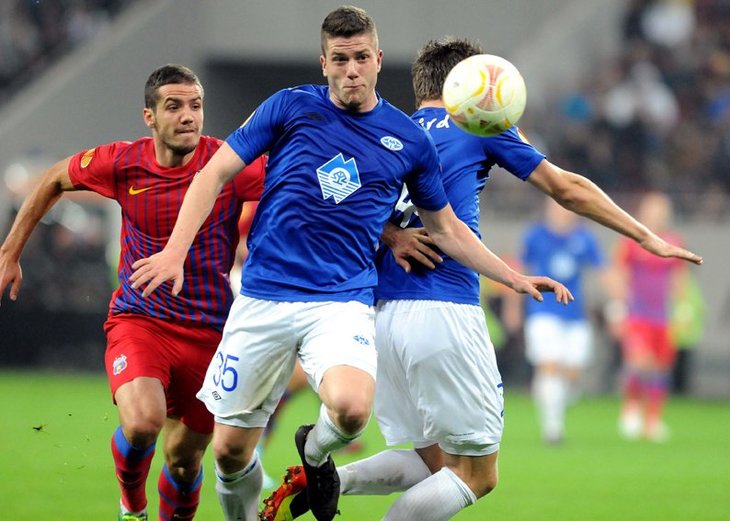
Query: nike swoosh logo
x=135 y=191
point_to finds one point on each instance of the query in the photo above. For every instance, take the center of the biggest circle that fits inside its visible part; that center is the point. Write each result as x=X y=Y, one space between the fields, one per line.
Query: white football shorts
x=261 y=342
x=438 y=380
x=549 y=339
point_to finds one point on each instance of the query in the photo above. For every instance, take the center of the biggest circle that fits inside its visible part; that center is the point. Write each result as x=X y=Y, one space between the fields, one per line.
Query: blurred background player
x=157 y=348
x=647 y=284
x=559 y=338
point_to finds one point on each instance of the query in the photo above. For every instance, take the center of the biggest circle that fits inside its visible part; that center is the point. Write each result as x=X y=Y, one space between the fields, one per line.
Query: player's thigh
x=254 y=360
x=193 y=350
x=451 y=371
x=578 y=344
x=636 y=345
x=395 y=409
x=137 y=366
x=663 y=350
x=336 y=334
x=544 y=339
x=134 y=348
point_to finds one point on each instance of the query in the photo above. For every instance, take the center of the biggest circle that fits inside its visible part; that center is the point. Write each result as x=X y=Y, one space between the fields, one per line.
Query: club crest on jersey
x=87 y=157
x=391 y=143
x=120 y=364
x=338 y=178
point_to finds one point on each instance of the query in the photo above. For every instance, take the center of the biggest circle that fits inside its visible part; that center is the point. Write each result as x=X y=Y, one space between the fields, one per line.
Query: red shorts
x=177 y=355
x=642 y=339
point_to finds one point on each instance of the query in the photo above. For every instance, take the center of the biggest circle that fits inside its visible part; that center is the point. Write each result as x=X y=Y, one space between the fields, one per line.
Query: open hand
x=412 y=244
x=536 y=286
x=10 y=274
x=156 y=269
x=662 y=248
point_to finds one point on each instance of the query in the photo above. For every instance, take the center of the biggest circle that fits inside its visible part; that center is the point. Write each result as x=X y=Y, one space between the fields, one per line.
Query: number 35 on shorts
x=226 y=376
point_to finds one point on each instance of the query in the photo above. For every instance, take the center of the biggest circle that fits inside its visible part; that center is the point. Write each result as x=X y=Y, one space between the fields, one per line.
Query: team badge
x=119 y=365
x=391 y=143
x=87 y=157
x=338 y=178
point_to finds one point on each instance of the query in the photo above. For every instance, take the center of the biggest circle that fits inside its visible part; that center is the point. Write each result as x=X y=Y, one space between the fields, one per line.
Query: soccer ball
x=484 y=94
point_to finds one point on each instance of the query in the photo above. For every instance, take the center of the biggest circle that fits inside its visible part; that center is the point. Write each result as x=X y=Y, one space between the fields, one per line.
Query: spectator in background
x=686 y=328
x=559 y=338
x=645 y=285
x=33 y=34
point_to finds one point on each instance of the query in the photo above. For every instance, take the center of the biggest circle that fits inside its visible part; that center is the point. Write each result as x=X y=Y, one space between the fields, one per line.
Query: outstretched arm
x=46 y=193
x=197 y=204
x=580 y=195
x=456 y=239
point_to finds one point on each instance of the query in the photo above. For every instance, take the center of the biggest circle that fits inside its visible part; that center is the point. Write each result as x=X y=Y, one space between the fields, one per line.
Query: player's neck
x=431 y=103
x=170 y=159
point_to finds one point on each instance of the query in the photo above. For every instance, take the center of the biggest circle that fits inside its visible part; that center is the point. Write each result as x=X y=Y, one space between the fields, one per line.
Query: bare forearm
x=196 y=206
x=45 y=194
x=464 y=246
x=584 y=197
x=389 y=235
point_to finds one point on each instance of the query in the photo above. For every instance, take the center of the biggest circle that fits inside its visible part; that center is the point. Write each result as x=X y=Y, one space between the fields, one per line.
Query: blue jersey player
x=438 y=384
x=338 y=157
x=558 y=339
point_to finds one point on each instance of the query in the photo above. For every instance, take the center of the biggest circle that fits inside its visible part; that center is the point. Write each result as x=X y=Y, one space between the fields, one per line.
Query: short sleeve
x=249 y=183
x=93 y=169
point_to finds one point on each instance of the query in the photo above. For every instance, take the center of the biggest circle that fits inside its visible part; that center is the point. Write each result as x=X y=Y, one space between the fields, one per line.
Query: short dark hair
x=434 y=62
x=167 y=75
x=347 y=21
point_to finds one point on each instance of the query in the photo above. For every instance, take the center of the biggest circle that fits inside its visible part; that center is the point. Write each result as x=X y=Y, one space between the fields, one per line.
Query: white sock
x=437 y=498
x=550 y=395
x=239 y=492
x=324 y=438
x=384 y=473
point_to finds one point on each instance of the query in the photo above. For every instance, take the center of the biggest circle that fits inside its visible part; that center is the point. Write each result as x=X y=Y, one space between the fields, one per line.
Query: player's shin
x=132 y=465
x=178 y=500
x=238 y=492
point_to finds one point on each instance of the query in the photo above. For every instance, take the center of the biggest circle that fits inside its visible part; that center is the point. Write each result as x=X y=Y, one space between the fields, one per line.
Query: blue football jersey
x=466 y=161
x=563 y=257
x=332 y=179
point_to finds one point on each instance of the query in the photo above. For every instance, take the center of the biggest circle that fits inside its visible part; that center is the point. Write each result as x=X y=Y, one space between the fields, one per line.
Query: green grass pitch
x=56 y=462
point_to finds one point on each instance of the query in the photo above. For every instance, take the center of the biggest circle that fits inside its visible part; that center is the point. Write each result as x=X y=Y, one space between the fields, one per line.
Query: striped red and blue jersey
x=150 y=196
x=650 y=279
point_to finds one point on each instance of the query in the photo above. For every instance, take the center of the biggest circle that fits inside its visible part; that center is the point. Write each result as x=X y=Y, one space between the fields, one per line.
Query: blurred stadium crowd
x=657 y=115
x=33 y=34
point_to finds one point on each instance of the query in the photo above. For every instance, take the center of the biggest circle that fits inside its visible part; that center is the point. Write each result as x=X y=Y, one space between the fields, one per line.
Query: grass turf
x=56 y=461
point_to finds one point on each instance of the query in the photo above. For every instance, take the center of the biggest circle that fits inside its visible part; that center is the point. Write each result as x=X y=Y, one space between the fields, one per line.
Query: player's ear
x=148 y=117
x=323 y=63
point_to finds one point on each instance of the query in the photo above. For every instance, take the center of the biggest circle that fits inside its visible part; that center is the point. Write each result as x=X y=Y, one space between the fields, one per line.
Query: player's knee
x=231 y=456
x=481 y=485
x=184 y=465
x=184 y=471
x=142 y=430
x=486 y=485
x=351 y=416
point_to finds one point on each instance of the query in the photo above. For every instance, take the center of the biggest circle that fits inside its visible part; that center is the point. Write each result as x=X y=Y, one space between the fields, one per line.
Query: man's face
x=351 y=66
x=177 y=120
